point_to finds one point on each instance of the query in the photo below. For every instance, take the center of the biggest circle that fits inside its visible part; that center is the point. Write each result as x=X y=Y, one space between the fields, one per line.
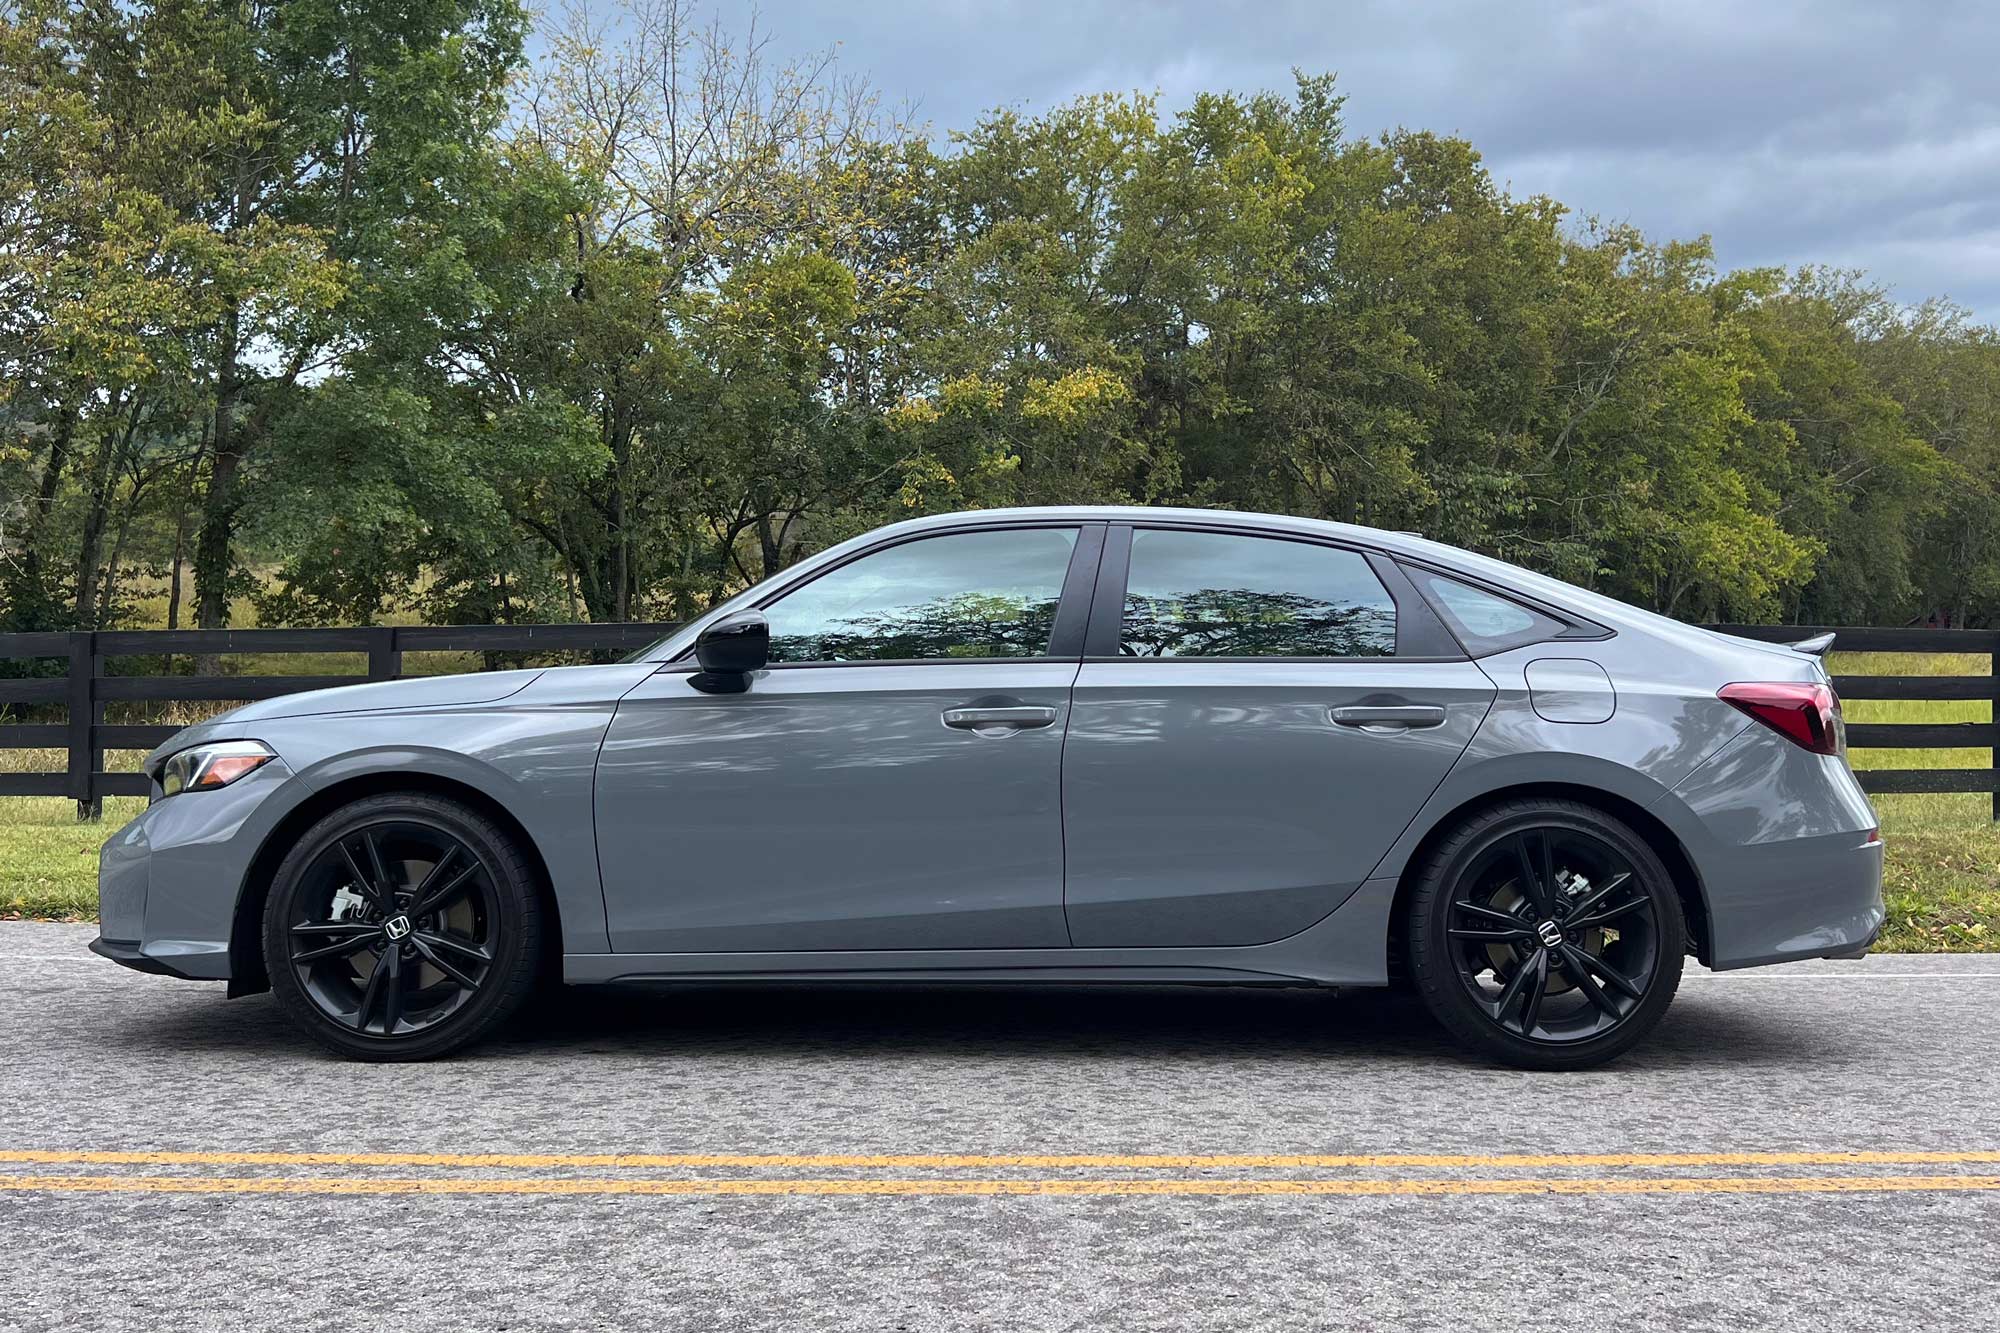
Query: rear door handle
x=1018 y=719
x=1390 y=717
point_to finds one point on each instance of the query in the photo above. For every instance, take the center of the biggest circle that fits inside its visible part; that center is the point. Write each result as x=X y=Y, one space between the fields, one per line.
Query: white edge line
x=1849 y=976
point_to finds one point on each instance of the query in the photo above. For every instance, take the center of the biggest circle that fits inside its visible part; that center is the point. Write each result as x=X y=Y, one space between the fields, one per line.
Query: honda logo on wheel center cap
x=1550 y=932
x=396 y=927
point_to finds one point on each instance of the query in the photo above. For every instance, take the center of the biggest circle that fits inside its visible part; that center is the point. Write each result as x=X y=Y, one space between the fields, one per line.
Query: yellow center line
x=995 y=1161
x=459 y=1185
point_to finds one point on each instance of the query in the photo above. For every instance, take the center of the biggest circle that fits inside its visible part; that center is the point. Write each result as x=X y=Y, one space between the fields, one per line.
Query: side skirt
x=1348 y=947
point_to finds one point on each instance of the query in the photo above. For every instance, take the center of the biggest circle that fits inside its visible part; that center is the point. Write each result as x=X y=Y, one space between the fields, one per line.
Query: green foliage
x=214 y=206
x=339 y=309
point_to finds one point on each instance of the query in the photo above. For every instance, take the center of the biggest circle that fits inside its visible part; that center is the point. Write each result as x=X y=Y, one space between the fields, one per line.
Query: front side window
x=962 y=595
x=1207 y=594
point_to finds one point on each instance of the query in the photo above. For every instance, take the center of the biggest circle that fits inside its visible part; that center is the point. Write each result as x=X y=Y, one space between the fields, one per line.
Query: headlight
x=217 y=764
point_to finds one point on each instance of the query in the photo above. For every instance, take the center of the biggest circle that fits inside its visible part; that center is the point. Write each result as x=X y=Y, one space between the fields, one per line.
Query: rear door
x=1256 y=720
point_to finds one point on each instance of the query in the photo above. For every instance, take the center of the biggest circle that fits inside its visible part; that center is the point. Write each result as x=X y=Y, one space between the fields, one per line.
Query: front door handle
x=1016 y=719
x=1390 y=717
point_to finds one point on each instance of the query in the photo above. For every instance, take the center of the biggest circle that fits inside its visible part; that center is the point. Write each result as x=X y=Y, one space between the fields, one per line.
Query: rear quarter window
x=1484 y=622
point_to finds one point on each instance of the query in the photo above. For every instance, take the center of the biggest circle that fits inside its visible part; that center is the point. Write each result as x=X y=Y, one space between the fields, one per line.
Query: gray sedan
x=1037 y=746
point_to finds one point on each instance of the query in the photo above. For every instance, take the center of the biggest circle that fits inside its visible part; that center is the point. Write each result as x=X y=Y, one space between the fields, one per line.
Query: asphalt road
x=888 y=1159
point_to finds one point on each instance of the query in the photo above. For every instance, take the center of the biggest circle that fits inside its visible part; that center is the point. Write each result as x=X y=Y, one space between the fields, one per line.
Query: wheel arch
x=1662 y=839
x=246 y=953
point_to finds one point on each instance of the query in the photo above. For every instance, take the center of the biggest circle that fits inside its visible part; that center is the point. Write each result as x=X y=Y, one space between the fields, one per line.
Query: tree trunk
x=111 y=450
x=598 y=574
x=221 y=503
x=212 y=542
x=619 y=430
x=45 y=500
x=109 y=588
x=621 y=569
x=180 y=552
x=769 y=548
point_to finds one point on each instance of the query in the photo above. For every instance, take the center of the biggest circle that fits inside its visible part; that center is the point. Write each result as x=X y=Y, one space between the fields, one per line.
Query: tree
x=325 y=131
x=713 y=305
x=312 y=295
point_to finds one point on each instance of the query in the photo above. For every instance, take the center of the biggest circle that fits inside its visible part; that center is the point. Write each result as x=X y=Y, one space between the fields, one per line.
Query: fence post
x=96 y=737
x=385 y=660
x=1993 y=670
x=83 y=665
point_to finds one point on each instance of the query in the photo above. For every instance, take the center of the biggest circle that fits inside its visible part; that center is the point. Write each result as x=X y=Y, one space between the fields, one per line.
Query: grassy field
x=1942 y=878
x=1942 y=882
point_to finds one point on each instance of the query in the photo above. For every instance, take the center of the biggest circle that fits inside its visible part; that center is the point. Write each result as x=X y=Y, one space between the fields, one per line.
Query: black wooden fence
x=1912 y=735
x=85 y=687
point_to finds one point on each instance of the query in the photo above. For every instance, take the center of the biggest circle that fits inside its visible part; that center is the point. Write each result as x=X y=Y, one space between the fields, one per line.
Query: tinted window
x=1206 y=594
x=1484 y=622
x=973 y=594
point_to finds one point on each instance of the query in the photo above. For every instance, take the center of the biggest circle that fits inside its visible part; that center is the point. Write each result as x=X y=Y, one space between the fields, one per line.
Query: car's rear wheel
x=1546 y=934
x=402 y=927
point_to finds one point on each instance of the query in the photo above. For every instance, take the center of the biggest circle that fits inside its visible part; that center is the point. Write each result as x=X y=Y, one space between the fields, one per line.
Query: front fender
x=375 y=761
x=536 y=763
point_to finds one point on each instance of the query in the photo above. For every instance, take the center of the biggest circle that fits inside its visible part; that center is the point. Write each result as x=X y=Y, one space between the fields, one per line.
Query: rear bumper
x=1784 y=843
x=1860 y=950
x=1801 y=898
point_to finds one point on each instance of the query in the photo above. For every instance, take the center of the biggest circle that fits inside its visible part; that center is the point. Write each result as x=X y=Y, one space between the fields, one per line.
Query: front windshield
x=646 y=652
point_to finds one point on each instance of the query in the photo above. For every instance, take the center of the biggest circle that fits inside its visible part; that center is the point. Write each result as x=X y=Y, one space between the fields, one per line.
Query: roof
x=1526 y=582
x=1380 y=537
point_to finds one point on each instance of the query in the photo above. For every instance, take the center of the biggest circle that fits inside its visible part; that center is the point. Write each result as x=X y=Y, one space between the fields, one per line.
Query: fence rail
x=1912 y=735
x=85 y=688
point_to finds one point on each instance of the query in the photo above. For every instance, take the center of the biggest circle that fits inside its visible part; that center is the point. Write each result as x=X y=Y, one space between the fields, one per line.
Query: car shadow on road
x=866 y=1021
x=1111 y=1021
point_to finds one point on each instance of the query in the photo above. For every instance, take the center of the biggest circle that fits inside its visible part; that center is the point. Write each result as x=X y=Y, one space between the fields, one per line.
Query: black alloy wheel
x=1546 y=933
x=402 y=927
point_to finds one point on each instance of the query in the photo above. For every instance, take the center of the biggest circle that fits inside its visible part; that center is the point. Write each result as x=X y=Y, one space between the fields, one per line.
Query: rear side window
x=1484 y=622
x=1209 y=594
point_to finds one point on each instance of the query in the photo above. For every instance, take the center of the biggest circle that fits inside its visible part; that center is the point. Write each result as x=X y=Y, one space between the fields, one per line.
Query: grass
x=48 y=861
x=1942 y=881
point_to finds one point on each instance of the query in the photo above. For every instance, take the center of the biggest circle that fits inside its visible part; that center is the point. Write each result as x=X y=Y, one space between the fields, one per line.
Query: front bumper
x=127 y=953
x=167 y=883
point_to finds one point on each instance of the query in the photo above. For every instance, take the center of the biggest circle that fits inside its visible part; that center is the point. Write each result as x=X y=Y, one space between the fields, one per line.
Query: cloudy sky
x=1863 y=133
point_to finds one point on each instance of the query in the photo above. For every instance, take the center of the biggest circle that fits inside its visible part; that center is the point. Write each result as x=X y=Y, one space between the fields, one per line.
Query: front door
x=892 y=781
x=1245 y=741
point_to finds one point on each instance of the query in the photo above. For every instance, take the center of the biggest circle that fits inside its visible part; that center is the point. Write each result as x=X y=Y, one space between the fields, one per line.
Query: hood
x=483 y=687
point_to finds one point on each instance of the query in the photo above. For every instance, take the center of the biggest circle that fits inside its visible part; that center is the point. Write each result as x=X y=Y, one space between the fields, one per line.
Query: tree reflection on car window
x=1201 y=594
x=964 y=595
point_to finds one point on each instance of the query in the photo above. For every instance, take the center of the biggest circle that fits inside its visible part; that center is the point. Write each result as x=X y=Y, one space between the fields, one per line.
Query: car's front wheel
x=403 y=927
x=1546 y=934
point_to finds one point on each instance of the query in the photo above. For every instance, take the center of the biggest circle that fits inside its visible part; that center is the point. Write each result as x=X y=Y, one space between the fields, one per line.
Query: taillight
x=1807 y=714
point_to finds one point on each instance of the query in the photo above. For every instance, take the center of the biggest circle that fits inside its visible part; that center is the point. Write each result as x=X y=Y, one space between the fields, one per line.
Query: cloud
x=1851 y=132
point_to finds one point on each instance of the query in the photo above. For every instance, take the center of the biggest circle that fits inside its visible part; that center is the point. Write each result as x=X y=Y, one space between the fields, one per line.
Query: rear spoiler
x=1816 y=646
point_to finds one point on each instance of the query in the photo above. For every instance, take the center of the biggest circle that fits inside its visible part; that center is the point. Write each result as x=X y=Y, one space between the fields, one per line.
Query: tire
x=1496 y=955
x=455 y=896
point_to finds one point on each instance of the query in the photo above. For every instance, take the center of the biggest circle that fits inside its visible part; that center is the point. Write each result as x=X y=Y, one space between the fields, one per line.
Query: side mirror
x=729 y=650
